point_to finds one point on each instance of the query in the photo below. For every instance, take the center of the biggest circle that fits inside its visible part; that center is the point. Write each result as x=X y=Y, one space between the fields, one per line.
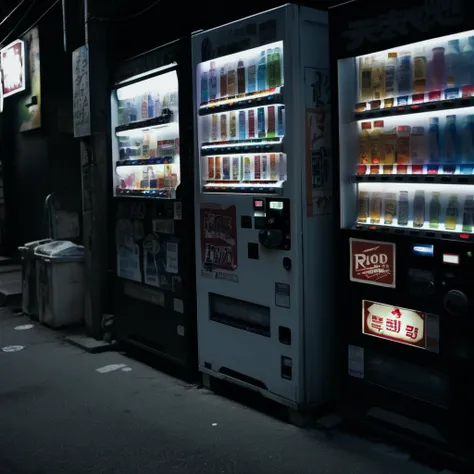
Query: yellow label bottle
x=364 y=144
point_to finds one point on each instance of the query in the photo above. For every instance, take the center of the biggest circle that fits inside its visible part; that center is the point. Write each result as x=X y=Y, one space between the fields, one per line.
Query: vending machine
x=263 y=204
x=152 y=149
x=405 y=133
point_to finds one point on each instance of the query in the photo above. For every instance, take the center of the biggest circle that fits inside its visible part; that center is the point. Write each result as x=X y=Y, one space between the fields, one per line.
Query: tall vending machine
x=152 y=150
x=405 y=131
x=263 y=204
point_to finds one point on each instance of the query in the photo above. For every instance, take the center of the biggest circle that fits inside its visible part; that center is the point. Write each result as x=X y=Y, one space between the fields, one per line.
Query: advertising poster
x=402 y=325
x=13 y=66
x=81 y=92
x=29 y=107
x=160 y=261
x=317 y=143
x=218 y=237
x=128 y=252
x=372 y=262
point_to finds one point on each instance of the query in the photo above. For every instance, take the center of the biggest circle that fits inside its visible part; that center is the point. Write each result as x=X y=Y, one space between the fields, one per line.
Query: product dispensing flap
x=36 y=243
x=60 y=249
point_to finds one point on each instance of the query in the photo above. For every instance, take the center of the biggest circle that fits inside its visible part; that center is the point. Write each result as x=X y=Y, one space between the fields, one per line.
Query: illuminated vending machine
x=405 y=129
x=152 y=142
x=263 y=204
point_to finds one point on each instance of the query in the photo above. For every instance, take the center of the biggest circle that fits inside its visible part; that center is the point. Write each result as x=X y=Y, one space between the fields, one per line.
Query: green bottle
x=468 y=216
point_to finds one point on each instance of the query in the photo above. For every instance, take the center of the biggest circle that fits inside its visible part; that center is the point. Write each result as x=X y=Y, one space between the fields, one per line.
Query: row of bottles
x=390 y=209
x=264 y=167
x=146 y=146
x=403 y=144
x=263 y=122
x=152 y=177
x=146 y=106
x=417 y=70
x=246 y=76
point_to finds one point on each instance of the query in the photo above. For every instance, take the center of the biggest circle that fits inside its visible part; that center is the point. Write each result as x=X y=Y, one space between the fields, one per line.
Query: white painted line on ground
x=12 y=348
x=214 y=424
x=126 y=369
x=24 y=327
x=110 y=368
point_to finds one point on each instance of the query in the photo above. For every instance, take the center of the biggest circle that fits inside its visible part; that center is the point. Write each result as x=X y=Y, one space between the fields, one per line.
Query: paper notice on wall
x=128 y=252
x=172 y=257
x=356 y=361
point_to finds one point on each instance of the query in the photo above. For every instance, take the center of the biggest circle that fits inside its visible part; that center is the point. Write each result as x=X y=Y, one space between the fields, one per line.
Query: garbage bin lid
x=32 y=245
x=60 y=249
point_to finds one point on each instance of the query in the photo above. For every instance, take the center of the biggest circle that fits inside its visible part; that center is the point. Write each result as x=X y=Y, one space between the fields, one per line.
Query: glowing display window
x=277 y=205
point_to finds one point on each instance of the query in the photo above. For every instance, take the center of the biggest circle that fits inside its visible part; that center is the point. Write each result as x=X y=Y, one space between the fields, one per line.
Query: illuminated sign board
x=423 y=250
x=402 y=325
x=12 y=58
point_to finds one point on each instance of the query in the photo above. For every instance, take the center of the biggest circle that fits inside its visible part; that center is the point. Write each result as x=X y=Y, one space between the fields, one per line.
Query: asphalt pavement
x=63 y=410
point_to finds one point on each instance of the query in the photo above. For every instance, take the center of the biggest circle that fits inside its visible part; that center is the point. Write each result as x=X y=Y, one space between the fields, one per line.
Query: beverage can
x=226 y=167
x=236 y=168
x=273 y=167
x=256 y=162
x=210 y=168
x=251 y=124
x=224 y=127
x=261 y=122
x=247 y=169
x=218 y=168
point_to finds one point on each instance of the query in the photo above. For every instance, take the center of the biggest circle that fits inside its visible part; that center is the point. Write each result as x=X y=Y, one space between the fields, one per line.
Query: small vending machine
x=153 y=187
x=264 y=203
x=405 y=132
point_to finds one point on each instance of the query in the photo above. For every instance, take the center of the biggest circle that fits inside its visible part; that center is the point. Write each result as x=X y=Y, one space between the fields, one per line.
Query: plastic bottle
x=280 y=122
x=233 y=125
x=204 y=87
x=144 y=107
x=376 y=143
x=419 y=72
x=377 y=78
x=223 y=82
x=403 y=212
x=453 y=64
x=419 y=209
x=390 y=208
x=434 y=141
x=252 y=76
x=468 y=214
x=242 y=130
x=157 y=106
x=403 y=145
x=277 y=66
x=375 y=207
x=390 y=74
x=467 y=155
x=417 y=145
x=437 y=76
x=364 y=144
x=213 y=81
x=450 y=139
x=435 y=210
x=270 y=69
x=262 y=72
x=404 y=73
x=241 y=77
x=365 y=79
x=468 y=63
x=363 y=206
x=452 y=212
x=151 y=106
x=231 y=80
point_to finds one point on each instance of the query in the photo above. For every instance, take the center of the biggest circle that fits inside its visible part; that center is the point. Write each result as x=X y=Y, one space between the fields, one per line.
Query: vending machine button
x=456 y=303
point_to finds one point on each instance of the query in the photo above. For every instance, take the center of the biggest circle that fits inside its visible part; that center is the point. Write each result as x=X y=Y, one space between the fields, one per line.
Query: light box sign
x=402 y=325
x=372 y=262
x=13 y=68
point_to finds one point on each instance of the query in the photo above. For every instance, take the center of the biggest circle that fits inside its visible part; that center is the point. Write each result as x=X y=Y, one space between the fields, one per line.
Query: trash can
x=29 y=301
x=60 y=283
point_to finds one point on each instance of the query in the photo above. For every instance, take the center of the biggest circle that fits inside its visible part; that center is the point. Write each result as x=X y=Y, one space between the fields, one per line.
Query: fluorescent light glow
x=163 y=83
x=148 y=73
x=168 y=129
x=276 y=141
x=461 y=189
x=234 y=99
x=427 y=45
x=253 y=184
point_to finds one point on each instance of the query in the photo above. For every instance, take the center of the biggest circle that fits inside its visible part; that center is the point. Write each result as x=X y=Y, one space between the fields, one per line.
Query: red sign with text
x=393 y=323
x=13 y=67
x=372 y=262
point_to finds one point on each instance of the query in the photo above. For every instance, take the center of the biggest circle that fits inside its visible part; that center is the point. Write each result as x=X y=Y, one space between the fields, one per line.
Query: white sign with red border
x=12 y=58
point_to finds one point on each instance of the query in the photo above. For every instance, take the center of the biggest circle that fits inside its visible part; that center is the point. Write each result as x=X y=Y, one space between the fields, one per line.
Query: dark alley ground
x=63 y=410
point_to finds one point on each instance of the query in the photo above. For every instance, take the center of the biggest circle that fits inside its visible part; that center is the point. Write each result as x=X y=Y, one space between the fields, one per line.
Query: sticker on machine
x=218 y=238
x=372 y=262
x=402 y=325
